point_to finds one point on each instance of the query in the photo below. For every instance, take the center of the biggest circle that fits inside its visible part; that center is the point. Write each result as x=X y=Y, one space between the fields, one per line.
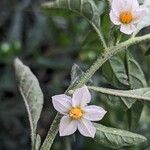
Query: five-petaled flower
x=127 y=13
x=77 y=115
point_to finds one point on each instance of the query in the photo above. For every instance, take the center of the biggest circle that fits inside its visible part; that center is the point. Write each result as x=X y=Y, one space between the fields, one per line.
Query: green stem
x=85 y=77
x=51 y=133
x=122 y=93
x=100 y=35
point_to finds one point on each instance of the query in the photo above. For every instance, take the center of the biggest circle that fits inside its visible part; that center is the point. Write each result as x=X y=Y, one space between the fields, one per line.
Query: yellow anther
x=75 y=113
x=126 y=17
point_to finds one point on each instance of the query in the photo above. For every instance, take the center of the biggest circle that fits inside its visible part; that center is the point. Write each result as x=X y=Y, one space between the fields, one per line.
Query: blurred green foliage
x=50 y=43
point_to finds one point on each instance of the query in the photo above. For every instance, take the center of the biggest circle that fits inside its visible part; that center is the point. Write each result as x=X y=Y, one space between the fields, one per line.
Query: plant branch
x=123 y=93
x=85 y=77
x=100 y=35
x=51 y=133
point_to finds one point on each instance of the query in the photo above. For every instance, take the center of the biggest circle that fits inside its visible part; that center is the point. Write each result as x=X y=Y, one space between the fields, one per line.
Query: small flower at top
x=127 y=14
x=77 y=115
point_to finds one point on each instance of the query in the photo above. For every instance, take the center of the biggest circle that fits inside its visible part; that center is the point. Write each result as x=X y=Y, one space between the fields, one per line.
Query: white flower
x=127 y=13
x=77 y=115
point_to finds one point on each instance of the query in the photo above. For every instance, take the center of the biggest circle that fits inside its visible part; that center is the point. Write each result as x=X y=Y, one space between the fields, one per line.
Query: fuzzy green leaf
x=123 y=71
x=116 y=138
x=136 y=80
x=135 y=73
x=31 y=93
x=115 y=72
x=86 y=8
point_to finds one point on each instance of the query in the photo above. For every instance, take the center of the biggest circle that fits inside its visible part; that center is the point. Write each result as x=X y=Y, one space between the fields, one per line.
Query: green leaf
x=135 y=73
x=116 y=138
x=115 y=72
x=124 y=72
x=136 y=80
x=134 y=115
x=86 y=8
x=101 y=5
x=31 y=93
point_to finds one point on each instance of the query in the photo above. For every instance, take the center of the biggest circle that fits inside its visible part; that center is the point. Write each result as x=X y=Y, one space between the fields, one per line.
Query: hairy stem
x=85 y=77
x=51 y=133
x=121 y=93
x=100 y=35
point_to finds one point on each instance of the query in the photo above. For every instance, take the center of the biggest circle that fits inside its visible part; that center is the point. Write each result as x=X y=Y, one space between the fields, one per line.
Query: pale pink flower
x=127 y=14
x=77 y=115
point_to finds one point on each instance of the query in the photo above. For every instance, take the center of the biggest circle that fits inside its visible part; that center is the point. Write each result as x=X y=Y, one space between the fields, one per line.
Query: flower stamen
x=126 y=17
x=75 y=113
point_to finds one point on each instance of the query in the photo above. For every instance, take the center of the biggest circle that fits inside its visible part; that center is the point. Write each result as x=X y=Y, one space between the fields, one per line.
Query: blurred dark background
x=50 y=43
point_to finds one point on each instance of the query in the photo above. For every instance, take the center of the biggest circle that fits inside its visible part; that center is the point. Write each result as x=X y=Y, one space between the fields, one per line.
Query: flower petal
x=130 y=4
x=114 y=18
x=81 y=97
x=94 y=113
x=62 y=103
x=86 y=128
x=140 y=13
x=117 y=5
x=128 y=29
x=67 y=126
x=124 y=5
x=134 y=4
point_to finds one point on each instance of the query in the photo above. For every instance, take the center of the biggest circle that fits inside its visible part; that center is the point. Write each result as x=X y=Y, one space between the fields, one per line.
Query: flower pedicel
x=77 y=115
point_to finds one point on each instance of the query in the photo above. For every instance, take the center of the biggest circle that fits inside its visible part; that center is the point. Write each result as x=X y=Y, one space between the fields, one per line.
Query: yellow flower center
x=75 y=113
x=126 y=17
